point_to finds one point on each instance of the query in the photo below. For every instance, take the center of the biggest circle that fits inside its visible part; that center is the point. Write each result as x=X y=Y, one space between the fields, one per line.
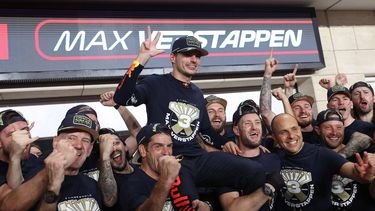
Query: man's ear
x=142 y=150
x=172 y=58
x=235 y=130
x=55 y=140
x=317 y=130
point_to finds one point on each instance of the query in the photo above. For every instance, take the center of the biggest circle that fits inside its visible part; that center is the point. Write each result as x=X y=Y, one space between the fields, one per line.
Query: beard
x=304 y=123
x=250 y=144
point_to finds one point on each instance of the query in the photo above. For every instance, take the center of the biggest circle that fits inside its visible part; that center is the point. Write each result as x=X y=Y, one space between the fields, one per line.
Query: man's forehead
x=215 y=106
x=362 y=88
x=19 y=125
x=300 y=102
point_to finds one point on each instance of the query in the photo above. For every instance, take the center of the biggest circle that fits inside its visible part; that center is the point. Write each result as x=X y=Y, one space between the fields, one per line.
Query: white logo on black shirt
x=343 y=191
x=299 y=191
x=83 y=204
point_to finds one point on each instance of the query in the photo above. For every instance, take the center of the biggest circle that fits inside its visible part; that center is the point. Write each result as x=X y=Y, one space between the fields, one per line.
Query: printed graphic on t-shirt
x=343 y=190
x=93 y=174
x=82 y=204
x=299 y=190
x=183 y=121
x=168 y=205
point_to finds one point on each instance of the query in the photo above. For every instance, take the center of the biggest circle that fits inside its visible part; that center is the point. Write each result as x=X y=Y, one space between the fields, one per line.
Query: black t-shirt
x=311 y=137
x=307 y=176
x=3 y=172
x=358 y=126
x=137 y=190
x=120 y=179
x=79 y=192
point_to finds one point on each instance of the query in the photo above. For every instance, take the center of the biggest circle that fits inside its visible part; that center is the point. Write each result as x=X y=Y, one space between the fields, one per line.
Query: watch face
x=50 y=197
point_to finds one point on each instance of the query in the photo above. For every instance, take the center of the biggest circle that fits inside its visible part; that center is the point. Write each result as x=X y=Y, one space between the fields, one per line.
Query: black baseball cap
x=82 y=109
x=188 y=43
x=300 y=96
x=337 y=89
x=361 y=84
x=245 y=107
x=79 y=122
x=148 y=131
x=328 y=115
x=10 y=116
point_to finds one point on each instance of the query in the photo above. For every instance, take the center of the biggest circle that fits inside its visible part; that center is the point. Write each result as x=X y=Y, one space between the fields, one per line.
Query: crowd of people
x=187 y=157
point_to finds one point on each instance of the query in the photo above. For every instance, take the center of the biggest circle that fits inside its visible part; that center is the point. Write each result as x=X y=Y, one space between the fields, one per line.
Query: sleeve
x=127 y=91
x=131 y=196
x=336 y=160
x=209 y=135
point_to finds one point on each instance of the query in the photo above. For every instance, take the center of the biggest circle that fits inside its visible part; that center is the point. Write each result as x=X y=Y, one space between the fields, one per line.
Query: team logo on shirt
x=344 y=191
x=299 y=191
x=183 y=121
x=82 y=204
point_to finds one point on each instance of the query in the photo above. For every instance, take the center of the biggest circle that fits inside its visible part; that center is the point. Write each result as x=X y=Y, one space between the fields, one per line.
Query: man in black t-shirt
x=339 y=98
x=155 y=185
x=346 y=194
x=306 y=167
x=113 y=165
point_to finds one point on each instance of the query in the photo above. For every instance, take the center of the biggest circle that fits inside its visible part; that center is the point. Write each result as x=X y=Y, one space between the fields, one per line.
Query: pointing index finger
x=271 y=53
x=295 y=69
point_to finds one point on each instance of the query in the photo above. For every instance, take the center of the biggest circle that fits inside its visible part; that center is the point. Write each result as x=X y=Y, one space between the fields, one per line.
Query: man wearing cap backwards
x=247 y=126
x=306 y=168
x=345 y=193
x=70 y=188
x=172 y=99
x=156 y=184
x=362 y=95
x=14 y=149
x=114 y=167
x=339 y=98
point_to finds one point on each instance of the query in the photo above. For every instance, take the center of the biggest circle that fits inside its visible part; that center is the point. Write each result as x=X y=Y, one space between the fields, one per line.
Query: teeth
x=293 y=142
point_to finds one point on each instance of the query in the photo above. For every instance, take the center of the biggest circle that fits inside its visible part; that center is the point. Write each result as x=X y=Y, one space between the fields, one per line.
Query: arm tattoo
x=265 y=95
x=107 y=183
x=357 y=143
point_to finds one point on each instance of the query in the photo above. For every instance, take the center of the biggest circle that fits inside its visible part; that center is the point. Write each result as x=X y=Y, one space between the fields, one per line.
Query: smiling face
x=303 y=112
x=363 y=100
x=249 y=130
x=82 y=142
x=118 y=156
x=331 y=133
x=186 y=64
x=216 y=114
x=287 y=133
x=342 y=104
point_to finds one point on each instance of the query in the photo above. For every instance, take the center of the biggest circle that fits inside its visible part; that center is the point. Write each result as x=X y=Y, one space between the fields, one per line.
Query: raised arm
x=107 y=182
x=265 y=101
x=362 y=171
x=290 y=81
x=280 y=95
x=126 y=87
x=21 y=139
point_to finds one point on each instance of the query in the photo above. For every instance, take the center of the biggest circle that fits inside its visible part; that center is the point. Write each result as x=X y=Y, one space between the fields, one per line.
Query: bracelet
x=116 y=106
x=209 y=205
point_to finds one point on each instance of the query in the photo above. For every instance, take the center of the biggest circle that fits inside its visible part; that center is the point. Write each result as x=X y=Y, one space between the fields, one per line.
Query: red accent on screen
x=4 y=55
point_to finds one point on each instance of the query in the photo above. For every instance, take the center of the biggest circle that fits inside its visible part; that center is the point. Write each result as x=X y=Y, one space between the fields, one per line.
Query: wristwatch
x=50 y=197
x=267 y=190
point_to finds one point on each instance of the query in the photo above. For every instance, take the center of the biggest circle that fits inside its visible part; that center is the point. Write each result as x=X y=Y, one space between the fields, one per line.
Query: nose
x=166 y=150
x=77 y=144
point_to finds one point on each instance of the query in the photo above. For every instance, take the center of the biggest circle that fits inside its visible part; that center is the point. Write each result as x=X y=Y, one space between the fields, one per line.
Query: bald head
x=287 y=133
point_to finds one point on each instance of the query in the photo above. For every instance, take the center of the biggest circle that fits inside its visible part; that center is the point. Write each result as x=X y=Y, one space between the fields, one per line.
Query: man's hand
x=106 y=142
x=341 y=79
x=326 y=83
x=364 y=168
x=169 y=168
x=270 y=67
x=200 y=205
x=278 y=93
x=55 y=165
x=148 y=48
x=64 y=147
x=290 y=79
x=232 y=148
x=106 y=99
x=21 y=139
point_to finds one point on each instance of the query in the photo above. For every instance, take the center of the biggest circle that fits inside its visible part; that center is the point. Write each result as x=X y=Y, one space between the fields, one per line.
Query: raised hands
x=278 y=93
x=21 y=139
x=106 y=142
x=270 y=66
x=290 y=79
x=148 y=48
x=106 y=98
x=365 y=167
x=326 y=83
x=169 y=168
